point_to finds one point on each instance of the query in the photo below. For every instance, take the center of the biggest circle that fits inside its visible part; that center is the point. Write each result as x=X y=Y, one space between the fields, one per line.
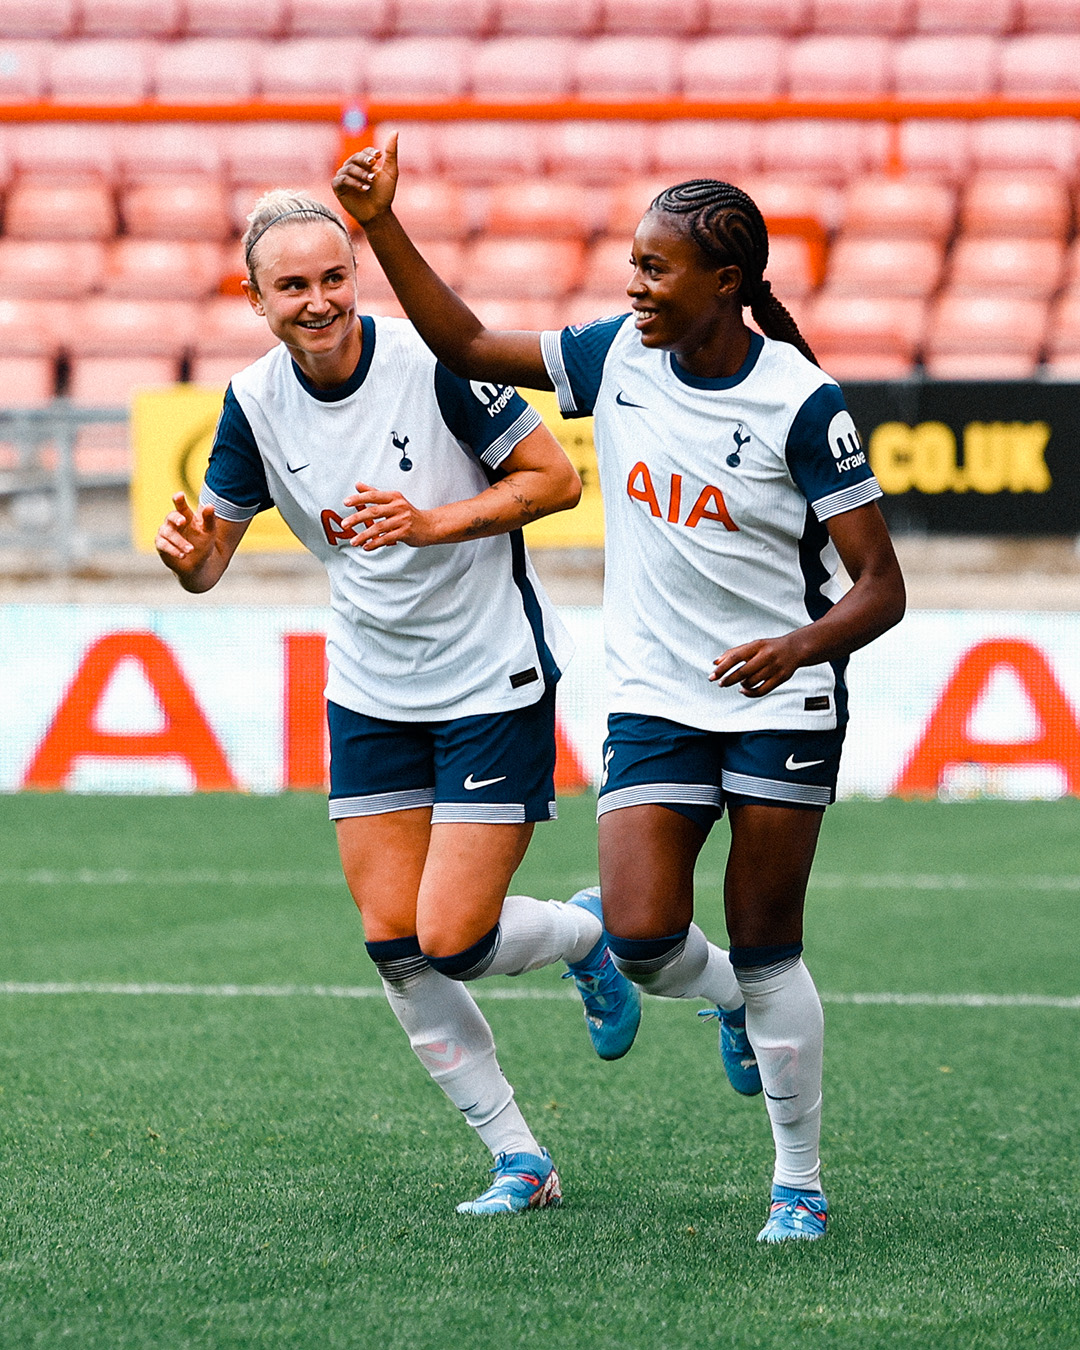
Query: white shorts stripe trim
x=226 y=510
x=660 y=794
x=498 y=450
x=478 y=813
x=847 y=499
x=745 y=785
x=551 y=351
x=381 y=803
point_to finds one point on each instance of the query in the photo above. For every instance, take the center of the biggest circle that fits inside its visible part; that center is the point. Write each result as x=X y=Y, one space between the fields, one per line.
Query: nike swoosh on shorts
x=792 y=763
x=470 y=785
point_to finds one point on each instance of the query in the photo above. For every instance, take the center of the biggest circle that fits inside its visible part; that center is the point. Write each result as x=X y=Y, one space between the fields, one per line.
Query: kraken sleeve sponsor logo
x=494 y=397
x=997 y=457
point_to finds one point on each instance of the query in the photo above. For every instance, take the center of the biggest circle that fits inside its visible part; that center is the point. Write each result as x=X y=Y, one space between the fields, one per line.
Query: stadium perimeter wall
x=131 y=699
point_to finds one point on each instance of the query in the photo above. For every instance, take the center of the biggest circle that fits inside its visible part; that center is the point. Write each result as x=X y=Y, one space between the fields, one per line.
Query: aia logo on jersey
x=335 y=530
x=734 y=459
x=844 y=442
x=710 y=504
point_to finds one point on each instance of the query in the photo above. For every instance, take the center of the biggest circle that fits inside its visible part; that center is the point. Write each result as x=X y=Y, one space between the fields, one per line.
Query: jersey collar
x=757 y=342
x=356 y=379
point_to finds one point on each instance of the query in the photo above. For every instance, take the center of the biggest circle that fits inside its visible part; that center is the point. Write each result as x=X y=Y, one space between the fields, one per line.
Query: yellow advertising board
x=172 y=431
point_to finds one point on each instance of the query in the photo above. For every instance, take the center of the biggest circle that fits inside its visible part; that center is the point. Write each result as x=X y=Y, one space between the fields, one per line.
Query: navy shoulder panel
x=489 y=418
x=235 y=481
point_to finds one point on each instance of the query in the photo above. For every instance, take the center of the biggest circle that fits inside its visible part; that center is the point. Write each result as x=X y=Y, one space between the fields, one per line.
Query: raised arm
x=365 y=186
x=196 y=545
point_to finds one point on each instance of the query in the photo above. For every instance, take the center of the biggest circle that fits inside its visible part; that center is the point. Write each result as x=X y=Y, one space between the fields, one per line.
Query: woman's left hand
x=385 y=518
x=761 y=666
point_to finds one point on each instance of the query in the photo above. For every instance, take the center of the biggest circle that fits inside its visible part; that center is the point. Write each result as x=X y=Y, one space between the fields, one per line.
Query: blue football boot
x=795 y=1214
x=612 y=1002
x=736 y=1052
x=522 y=1181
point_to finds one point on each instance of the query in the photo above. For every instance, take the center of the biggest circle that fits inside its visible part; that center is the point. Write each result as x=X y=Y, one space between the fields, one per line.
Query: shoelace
x=593 y=988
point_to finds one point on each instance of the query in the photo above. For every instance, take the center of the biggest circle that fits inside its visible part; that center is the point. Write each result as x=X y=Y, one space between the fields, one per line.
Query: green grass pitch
x=194 y=1170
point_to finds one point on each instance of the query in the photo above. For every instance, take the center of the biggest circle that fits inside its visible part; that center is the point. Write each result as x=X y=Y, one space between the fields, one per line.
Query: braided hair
x=283 y=204
x=729 y=229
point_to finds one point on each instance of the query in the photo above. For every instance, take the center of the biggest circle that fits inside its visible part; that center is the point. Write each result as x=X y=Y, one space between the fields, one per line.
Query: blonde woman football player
x=411 y=486
x=733 y=480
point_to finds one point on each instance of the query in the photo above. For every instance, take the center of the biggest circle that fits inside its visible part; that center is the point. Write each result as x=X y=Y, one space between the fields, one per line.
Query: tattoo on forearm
x=479 y=525
x=529 y=511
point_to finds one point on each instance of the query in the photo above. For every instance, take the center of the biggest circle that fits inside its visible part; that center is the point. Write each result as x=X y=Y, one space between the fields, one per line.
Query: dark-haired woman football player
x=733 y=481
x=443 y=654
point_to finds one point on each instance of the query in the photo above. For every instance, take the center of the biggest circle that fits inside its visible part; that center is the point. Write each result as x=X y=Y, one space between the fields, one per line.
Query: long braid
x=727 y=227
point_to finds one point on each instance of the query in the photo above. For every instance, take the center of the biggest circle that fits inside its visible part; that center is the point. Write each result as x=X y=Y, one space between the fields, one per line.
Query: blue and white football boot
x=795 y=1214
x=736 y=1053
x=522 y=1181
x=612 y=1002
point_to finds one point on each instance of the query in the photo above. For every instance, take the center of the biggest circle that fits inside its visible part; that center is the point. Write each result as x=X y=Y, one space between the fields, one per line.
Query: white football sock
x=453 y=1042
x=697 y=969
x=785 y=1025
x=535 y=933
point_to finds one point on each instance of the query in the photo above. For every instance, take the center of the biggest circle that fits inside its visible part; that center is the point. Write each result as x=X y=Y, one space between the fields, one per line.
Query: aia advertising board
x=973 y=458
x=951 y=704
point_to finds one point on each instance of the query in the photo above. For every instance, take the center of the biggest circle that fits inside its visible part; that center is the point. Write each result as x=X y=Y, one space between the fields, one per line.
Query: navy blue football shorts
x=497 y=768
x=649 y=760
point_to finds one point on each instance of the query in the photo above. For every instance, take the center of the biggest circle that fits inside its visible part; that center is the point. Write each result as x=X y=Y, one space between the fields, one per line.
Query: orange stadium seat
x=691 y=149
x=32 y=327
x=790 y=269
x=234 y=18
x=339 y=18
x=107 y=326
x=26 y=381
x=415 y=68
x=630 y=200
x=175 y=269
x=23 y=64
x=205 y=70
x=110 y=381
x=937 y=147
x=674 y=18
x=419 y=146
x=865 y=337
x=608 y=268
x=432 y=208
x=1072 y=266
x=568 y=17
x=844 y=66
x=520 y=315
x=756 y=16
x=62 y=148
x=175 y=207
x=857 y=16
x=38 y=18
x=526 y=269
x=989 y=266
x=831 y=151
x=1041 y=65
x=53 y=270
x=600 y=152
x=876 y=266
x=964 y=16
x=427 y=18
x=899 y=208
x=743 y=66
x=150 y=148
x=1011 y=143
x=777 y=196
x=543 y=208
x=960 y=65
x=1003 y=203
x=229 y=335
x=509 y=69
x=132 y=18
x=43 y=207
x=313 y=69
x=285 y=153
x=100 y=70
x=626 y=67
x=488 y=152
x=1063 y=355
x=1048 y=16
x=984 y=336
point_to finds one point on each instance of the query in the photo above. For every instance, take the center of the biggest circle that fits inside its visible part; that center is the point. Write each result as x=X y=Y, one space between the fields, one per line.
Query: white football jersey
x=417 y=634
x=715 y=496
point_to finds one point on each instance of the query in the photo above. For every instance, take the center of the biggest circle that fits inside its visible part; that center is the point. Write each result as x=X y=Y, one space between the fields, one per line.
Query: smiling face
x=682 y=300
x=306 y=290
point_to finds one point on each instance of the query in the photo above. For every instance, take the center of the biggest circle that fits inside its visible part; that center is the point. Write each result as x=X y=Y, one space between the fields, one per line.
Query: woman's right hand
x=365 y=184
x=186 y=538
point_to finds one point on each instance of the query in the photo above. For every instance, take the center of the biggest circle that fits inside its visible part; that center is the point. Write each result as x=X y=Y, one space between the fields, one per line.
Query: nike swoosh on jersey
x=625 y=402
x=470 y=785
x=792 y=763
x=298 y=467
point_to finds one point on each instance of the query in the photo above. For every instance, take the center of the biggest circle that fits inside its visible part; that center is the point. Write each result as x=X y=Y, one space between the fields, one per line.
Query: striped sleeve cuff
x=226 y=510
x=551 y=351
x=847 y=499
x=498 y=450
